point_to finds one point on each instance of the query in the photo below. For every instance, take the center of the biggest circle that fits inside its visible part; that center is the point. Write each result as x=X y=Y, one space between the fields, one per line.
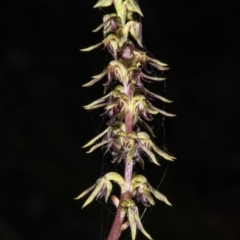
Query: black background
x=43 y=124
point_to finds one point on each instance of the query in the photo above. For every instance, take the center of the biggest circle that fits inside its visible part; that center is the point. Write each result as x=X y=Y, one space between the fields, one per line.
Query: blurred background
x=43 y=124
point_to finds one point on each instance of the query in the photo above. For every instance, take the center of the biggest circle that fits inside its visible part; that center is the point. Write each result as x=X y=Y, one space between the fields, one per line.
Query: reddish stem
x=115 y=230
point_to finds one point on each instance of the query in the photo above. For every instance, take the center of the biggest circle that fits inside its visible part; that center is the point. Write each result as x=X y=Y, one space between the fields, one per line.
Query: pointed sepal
x=133 y=7
x=134 y=219
x=103 y=3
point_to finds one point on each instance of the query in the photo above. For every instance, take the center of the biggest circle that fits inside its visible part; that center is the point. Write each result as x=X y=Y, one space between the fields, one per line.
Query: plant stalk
x=115 y=230
x=126 y=104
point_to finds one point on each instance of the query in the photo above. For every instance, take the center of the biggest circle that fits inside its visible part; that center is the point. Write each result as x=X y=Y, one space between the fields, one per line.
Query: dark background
x=43 y=124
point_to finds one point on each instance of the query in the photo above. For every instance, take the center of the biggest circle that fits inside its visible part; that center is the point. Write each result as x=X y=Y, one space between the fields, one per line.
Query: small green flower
x=102 y=187
x=134 y=219
x=142 y=191
x=143 y=60
x=111 y=22
x=115 y=71
x=110 y=43
x=127 y=145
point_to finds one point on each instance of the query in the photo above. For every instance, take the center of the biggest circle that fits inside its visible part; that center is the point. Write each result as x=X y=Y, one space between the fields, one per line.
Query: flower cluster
x=128 y=106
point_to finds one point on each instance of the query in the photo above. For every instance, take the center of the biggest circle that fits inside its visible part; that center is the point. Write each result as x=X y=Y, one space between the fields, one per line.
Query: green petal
x=115 y=200
x=156 y=61
x=94 y=193
x=149 y=108
x=136 y=32
x=113 y=176
x=103 y=3
x=118 y=143
x=148 y=128
x=98 y=145
x=152 y=78
x=100 y=75
x=139 y=178
x=85 y=192
x=160 y=196
x=113 y=104
x=92 y=47
x=161 y=152
x=95 y=79
x=141 y=162
x=163 y=112
x=143 y=135
x=88 y=84
x=120 y=69
x=134 y=7
x=125 y=226
x=138 y=97
x=99 y=27
x=158 y=96
x=150 y=199
x=96 y=106
x=132 y=223
x=150 y=154
x=96 y=102
x=121 y=115
x=96 y=138
x=139 y=224
x=109 y=189
x=159 y=67
x=147 y=194
x=128 y=203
